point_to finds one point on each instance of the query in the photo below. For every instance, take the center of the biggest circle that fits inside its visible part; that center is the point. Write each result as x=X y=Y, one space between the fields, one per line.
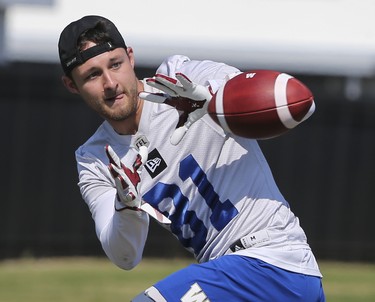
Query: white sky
x=315 y=36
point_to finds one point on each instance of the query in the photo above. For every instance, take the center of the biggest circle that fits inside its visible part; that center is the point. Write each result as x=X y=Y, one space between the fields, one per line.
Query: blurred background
x=325 y=167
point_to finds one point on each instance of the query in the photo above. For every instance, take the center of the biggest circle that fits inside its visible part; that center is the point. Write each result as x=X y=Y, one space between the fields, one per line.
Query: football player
x=157 y=153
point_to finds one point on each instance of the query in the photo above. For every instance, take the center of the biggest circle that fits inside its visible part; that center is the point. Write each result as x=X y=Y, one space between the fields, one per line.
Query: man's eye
x=92 y=75
x=116 y=65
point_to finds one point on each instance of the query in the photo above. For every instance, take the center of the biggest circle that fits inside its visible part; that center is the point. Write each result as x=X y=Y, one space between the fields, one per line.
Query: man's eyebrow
x=116 y=58
x=89 y=70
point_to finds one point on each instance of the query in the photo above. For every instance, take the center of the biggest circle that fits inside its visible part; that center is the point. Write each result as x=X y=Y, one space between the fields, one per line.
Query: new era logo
x=155 y=163
x=152 y=164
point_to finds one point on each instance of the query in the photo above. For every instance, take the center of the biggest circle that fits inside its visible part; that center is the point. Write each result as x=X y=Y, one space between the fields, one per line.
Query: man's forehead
x=100 y=61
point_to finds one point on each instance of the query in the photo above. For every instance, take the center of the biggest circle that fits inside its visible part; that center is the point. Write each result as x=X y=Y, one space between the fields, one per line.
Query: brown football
x=261 y=104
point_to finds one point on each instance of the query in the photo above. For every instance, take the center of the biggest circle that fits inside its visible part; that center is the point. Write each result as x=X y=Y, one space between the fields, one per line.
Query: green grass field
x=97 y=280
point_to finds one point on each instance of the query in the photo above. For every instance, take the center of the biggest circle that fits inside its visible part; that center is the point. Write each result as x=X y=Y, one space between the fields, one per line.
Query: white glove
x=127 y=180
x=190 y=98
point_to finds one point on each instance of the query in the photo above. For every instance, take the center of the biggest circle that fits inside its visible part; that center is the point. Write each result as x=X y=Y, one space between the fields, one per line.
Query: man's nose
x=109 y=82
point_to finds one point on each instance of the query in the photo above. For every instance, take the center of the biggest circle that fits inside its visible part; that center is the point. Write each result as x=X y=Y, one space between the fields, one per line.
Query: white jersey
x=214 y=187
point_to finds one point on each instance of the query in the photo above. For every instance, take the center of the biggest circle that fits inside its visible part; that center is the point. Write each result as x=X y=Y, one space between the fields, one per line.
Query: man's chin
x=119 y=117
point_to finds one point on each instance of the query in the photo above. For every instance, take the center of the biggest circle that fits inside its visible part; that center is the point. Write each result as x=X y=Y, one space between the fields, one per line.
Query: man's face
x=107 y=83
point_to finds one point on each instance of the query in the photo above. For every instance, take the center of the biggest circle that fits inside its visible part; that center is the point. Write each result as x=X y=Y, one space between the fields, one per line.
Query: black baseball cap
x=71 y=57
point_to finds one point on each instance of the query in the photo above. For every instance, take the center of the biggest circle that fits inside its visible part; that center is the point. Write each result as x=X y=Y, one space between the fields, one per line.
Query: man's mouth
x=114 y=97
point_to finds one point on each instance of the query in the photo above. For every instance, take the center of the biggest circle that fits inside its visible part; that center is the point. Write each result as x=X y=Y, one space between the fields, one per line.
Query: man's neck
x=131 y=124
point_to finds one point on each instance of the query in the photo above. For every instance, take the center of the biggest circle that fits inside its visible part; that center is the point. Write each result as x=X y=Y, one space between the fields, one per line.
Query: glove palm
x=190 y=98
x=126 y=179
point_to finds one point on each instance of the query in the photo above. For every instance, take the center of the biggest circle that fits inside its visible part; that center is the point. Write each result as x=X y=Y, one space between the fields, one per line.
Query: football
x=261 y=104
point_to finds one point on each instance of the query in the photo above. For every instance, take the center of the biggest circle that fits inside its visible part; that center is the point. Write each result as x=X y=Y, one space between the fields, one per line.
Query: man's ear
x=130 y=54
x=69 y=84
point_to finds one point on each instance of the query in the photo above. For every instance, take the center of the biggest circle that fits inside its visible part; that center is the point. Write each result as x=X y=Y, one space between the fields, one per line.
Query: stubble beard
x=127 y=110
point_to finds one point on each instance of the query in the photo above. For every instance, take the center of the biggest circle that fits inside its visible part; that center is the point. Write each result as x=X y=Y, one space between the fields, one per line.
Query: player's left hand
x=189 y=98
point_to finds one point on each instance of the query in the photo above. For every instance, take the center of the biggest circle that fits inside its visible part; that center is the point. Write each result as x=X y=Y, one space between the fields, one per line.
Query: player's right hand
x=126 y=179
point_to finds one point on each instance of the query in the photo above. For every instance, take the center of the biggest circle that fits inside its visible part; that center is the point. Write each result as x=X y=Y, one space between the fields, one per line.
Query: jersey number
x=190 y=229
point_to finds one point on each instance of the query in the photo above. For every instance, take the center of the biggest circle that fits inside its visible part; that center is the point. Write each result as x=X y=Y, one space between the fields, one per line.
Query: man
x=214 y=190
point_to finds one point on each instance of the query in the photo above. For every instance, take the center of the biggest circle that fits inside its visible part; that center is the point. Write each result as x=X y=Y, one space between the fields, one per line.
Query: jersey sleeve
x=122 y=233
x=206 y=72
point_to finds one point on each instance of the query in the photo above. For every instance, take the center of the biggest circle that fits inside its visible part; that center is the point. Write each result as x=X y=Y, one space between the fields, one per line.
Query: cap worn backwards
x=71 y=56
